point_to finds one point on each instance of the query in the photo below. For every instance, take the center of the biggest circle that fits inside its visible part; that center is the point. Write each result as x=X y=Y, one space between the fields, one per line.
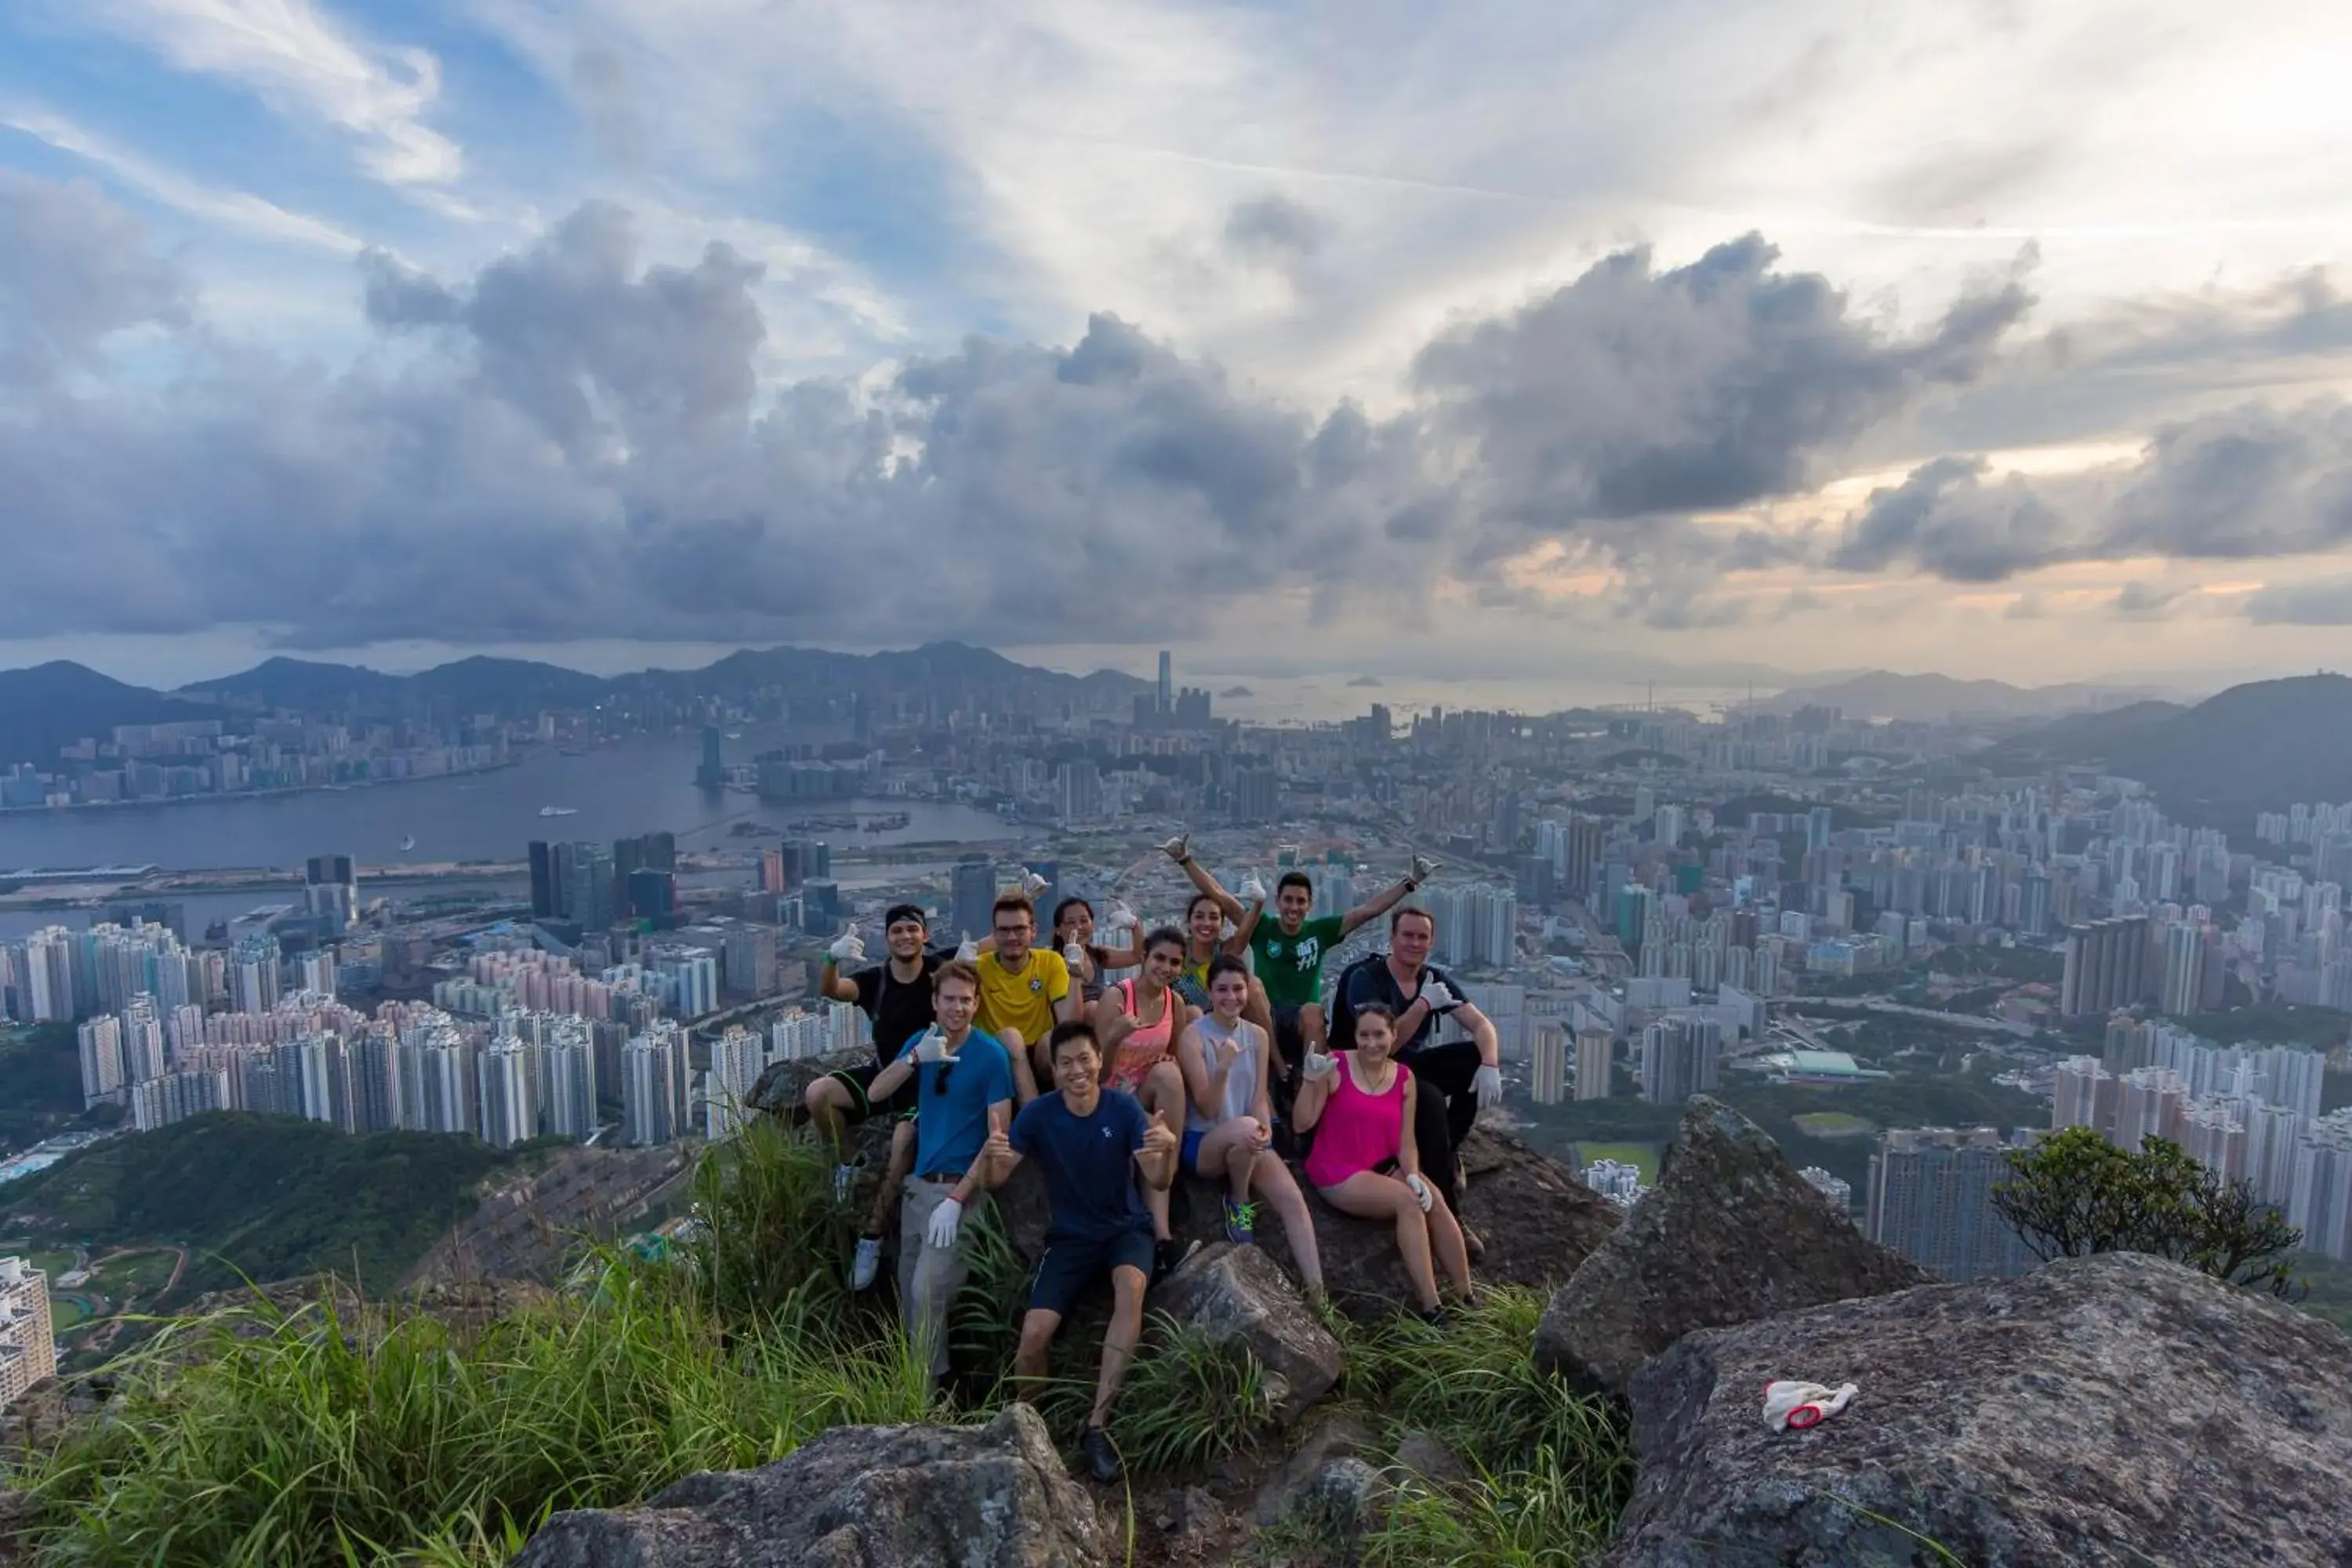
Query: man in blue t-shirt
x=963 y=1094
x=1095 y=1148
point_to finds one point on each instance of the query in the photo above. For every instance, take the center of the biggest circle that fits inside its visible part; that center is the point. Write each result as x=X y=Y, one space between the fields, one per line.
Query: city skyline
x=459 y=330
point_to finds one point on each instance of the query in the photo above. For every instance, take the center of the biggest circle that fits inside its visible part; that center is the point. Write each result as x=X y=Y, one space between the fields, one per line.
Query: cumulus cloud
x=2250 y=482
x=577 y=443
x=1632 y=393
x=74 y=269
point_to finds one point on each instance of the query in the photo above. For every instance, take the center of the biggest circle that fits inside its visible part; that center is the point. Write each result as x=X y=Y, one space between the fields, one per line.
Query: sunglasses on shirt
x=940 y=1079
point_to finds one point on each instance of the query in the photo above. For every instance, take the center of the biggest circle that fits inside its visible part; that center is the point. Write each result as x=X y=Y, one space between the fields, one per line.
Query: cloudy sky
x=1995 y=338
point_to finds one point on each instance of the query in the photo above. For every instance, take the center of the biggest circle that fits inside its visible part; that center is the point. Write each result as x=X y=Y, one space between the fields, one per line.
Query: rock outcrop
x=857 y=1497
x=1730 y=1234
x=1238 y=1295
x=2116 y=1410
x=1538 y=1220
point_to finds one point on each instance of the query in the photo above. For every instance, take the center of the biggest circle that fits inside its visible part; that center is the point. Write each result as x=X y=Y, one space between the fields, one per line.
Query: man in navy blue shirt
x=964 y=1093
x=1095 y=1148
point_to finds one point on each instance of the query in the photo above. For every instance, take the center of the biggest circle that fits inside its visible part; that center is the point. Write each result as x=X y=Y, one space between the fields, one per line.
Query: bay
x=643 y=785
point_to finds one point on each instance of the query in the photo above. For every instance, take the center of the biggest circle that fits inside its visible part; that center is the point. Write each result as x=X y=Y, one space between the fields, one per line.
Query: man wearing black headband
x=897 y=996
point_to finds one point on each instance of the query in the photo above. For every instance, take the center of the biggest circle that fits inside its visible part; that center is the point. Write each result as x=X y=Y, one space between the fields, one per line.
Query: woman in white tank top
x=1229 y=1123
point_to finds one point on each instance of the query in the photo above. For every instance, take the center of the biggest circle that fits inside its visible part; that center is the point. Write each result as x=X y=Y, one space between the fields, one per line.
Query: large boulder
x=1237 y=1295
x=1538 y=1222
x=2118 y=1410
x=1730 y=1234
x=856 y=1497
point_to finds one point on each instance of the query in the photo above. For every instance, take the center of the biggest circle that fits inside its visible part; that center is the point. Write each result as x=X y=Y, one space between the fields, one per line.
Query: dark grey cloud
x=1632 y=393
x=74 y=269
x=2247 y=483
x=578 y=443
x=1274 y=227
x=1945 y=519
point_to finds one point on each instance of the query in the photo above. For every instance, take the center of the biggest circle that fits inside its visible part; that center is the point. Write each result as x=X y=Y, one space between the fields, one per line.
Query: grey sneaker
x=861 y=1273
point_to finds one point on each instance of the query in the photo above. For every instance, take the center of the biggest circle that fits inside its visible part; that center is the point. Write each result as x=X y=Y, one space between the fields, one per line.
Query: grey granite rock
x=1730 y=1234
x=2109 y=1412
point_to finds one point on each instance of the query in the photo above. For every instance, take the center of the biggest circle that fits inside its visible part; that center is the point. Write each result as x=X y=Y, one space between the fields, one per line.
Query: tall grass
x=1550 y=1470
x=305 y=1444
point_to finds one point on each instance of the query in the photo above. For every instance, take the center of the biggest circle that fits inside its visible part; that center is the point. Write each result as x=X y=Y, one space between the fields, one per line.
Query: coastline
x=245 y=794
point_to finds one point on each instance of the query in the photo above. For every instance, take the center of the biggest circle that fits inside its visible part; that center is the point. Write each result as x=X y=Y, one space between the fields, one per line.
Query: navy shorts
x=1069 y=1267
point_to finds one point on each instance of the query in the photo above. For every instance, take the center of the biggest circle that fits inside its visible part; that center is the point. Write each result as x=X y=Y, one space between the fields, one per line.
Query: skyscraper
x=568 y=1086
x=1680 y=1057
x=973 y=896
x=653 y=1069
x=1594 y=1047
x=2184 y=971
x=2106 y=967
x=29 y=1352
x=508 y=1115
x=712 y=774
x=1166 y=696
x=331 y=892
x=1550 y=1063
x=1931 y=1200
x=546 y=892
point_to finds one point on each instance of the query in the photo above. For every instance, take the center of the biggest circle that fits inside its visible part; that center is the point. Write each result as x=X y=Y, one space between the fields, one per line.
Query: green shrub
x=314 y=1442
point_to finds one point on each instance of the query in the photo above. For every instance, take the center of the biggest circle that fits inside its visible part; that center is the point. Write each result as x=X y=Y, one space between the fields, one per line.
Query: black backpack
x=1342 y=1023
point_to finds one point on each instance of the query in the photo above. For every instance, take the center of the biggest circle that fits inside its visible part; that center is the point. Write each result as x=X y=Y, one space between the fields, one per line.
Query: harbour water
x=640 y=785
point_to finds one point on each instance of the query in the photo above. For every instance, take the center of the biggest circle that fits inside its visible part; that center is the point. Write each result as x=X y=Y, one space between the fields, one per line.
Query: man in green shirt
x=1286 y=954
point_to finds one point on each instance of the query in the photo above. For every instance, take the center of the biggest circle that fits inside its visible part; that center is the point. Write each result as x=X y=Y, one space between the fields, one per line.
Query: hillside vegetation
x=269 y=1196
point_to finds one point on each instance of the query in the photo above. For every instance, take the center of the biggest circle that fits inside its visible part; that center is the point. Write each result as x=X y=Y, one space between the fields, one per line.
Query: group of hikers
x=1215 y=1057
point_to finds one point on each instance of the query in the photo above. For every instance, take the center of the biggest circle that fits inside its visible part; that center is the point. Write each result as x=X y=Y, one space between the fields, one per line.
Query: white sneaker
x=844 y=1183
x=868 y=1265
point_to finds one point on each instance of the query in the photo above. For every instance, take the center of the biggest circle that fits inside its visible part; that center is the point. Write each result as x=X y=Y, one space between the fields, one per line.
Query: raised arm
x=1314 y=1093
x=1179 y=850
x=831 y=983
x=1247 y=922
x=1382 y=903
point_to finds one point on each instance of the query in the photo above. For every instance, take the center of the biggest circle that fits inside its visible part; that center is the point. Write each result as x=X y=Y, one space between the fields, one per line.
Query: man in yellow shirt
x=1023 y=992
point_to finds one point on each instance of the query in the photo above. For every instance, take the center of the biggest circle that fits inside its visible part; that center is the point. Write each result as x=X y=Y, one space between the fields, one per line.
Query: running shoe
x=1101 y=1458
x=869 y=1266
x=1241 y=1223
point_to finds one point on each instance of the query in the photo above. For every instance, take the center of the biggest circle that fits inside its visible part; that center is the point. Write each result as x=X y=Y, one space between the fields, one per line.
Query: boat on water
x=890 y=824
x=558 y=811
x=407 y=842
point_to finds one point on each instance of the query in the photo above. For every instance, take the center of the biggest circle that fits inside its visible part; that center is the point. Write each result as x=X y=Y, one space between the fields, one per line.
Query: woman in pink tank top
x=1139 y=1022
x=1359 y=1103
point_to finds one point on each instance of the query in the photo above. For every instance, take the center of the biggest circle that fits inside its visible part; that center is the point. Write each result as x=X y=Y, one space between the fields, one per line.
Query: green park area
x=1642 y=1156
x=1833 y=1125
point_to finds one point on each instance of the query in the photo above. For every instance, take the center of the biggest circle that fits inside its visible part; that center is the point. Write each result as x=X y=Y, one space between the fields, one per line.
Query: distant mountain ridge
x=1884 y=694
x=51 y=706
x=2258 y=747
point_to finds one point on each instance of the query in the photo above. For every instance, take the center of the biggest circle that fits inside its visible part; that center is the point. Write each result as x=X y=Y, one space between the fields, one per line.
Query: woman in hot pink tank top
x=1139 y=1057
x=1359 y=1104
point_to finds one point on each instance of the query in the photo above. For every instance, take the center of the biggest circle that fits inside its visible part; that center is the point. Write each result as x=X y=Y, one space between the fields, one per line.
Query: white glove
x=969 y=953
x=932 y=1046
x=1801 y=1404
x=1252 y=890
x=1421 y=866
x=1420 y=1192
x=1177 y=848
x=1440 y=996
x=940 y=1233
x=1075 y=955
x=848 y=948
x=1487 y=1085
x=1319 y=1064
x=1122 y=918
x=1032 y=884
